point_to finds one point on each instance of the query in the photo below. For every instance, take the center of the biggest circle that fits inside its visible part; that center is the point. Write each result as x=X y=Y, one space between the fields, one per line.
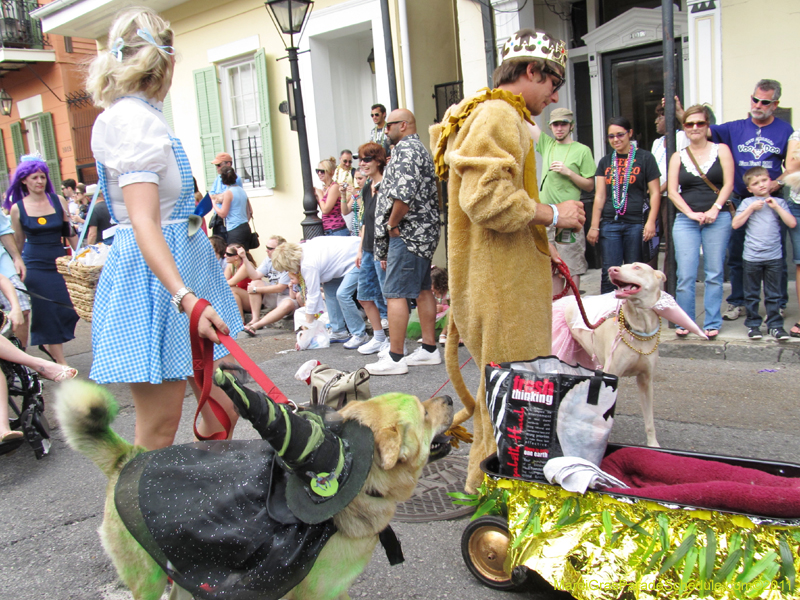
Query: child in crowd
x=439 y=288
x=762 y=252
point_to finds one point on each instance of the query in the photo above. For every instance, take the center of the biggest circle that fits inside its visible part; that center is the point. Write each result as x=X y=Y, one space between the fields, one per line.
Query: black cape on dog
x=214 y=516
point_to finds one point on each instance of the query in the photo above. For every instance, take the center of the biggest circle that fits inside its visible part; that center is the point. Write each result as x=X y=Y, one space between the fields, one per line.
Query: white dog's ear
x=660 y=275
x=387 y=443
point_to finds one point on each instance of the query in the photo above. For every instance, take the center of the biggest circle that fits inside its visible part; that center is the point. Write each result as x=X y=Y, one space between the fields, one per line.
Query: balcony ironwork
x=17 y=29
x=248 y=160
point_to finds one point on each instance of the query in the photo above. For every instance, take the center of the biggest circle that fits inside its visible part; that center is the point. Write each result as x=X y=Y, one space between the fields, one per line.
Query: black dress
x=51 y=322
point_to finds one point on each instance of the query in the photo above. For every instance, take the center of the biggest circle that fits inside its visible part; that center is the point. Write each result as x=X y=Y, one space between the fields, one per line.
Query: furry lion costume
x=498 y=262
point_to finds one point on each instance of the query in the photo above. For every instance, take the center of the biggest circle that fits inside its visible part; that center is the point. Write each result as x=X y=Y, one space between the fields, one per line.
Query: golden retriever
x=407 y=434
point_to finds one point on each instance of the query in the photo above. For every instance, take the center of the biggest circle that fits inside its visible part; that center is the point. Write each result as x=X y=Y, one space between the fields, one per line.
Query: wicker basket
x=81 y=283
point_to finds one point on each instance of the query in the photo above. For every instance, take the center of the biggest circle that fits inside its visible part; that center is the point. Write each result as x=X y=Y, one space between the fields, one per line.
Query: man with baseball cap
x=498 y=257
x=221 y=160
x=569 y=170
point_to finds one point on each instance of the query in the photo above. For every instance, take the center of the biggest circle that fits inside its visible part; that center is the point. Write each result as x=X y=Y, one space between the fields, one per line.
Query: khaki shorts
x=270 y=301
x=572 y=253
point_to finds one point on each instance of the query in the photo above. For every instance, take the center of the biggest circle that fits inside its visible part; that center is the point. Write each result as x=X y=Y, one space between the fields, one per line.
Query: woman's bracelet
x=594 y=229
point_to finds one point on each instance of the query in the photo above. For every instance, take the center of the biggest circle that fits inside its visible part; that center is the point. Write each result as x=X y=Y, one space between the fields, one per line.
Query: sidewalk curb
x=744 y=351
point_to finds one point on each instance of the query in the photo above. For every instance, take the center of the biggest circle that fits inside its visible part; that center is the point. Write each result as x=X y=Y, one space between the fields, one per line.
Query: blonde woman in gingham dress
x=157 y=260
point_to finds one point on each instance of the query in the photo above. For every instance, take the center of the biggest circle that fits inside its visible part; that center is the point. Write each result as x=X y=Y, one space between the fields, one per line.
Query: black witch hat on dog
x=246 y=519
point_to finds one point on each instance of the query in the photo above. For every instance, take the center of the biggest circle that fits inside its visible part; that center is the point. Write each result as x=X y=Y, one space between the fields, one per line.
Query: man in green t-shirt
x=569 y=170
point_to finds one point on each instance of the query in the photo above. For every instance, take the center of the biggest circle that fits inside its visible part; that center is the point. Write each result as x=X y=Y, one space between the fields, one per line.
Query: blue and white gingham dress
x=137 y=335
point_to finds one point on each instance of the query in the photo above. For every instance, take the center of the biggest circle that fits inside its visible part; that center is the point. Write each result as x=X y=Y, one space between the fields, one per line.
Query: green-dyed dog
x=404 y=431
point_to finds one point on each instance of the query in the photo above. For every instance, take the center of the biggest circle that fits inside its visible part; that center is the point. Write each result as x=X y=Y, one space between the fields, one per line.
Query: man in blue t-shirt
x=221 y=160
x=759 y=141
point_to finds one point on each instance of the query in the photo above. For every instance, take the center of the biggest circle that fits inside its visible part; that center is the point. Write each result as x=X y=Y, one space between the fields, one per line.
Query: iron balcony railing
x=17 y=28
x=248 y=160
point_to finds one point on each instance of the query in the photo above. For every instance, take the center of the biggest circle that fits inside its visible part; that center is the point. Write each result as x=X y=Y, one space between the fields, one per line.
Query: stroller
x=25 y=402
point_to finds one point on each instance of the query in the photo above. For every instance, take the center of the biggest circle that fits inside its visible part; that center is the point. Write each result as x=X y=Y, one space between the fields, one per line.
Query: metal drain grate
x=430 y=501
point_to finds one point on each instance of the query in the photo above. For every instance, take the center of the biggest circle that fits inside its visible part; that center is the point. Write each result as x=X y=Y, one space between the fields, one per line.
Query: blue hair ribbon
x=116 y=49
x=148 y=37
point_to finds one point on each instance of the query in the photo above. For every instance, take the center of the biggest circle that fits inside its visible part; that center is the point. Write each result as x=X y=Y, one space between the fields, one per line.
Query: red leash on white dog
x=563 y=270
x=203 y=367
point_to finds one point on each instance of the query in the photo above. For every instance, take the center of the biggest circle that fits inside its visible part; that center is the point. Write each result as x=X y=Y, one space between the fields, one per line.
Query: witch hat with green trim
x=328 y=459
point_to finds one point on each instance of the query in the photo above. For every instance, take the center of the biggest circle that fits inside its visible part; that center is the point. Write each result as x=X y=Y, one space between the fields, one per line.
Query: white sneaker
x=420 y=356
x=337 y=337
x=387 y=366
x=385 y=323
x=356 y=341
x=371 y=347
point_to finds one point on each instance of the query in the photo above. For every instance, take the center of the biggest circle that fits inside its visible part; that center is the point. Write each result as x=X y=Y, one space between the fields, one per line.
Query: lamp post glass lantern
x=5 y=103
x=289 y=17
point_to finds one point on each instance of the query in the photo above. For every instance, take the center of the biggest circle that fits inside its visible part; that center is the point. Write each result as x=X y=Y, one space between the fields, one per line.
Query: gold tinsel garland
x=600 y=547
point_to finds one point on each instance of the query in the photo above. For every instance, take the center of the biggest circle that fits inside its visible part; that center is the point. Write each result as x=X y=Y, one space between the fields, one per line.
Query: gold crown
x=538 y=45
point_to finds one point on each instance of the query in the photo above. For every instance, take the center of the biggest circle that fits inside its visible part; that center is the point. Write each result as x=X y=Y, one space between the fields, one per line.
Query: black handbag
x=255 y=242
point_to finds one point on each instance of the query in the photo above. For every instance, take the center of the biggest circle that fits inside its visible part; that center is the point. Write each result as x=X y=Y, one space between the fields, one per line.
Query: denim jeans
x=343 y=315
x=621 y=243
x=689 y=236
x=735 y=251
x=768 y=272
x=370 y=281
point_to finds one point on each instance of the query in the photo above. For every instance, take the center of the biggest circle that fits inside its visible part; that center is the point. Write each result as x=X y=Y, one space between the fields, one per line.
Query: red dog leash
x=203 y=367
x=563 y=270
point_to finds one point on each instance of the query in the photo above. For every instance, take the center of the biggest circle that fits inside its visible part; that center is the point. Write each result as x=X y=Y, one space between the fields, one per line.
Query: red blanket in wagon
x=703 y=483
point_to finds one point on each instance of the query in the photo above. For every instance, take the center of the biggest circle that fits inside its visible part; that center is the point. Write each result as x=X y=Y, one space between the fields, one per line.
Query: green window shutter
x=209 y=114
x=3 y=161
x=50 y=148
x=16 y=138
x=167 y=110
x=266 y=126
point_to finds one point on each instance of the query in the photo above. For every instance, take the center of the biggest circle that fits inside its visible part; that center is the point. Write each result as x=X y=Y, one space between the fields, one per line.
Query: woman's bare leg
x=46 y=368
x=4 y=428
x=158 y=412
x=255 y=307
x=285 y=307
x=57 y=351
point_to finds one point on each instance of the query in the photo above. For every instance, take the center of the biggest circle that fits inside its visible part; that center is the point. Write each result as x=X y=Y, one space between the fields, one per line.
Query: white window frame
x=223 y=69
x=34 y=135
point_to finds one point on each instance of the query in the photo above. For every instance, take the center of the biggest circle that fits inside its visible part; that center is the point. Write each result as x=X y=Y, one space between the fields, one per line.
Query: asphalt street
x=50 y=509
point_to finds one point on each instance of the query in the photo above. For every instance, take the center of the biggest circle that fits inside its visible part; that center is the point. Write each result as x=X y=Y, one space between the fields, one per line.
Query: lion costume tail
x=453 y=369
x=85 y=411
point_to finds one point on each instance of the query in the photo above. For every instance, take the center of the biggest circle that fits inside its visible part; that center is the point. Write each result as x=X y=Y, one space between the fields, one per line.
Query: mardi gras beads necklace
x=619 y=189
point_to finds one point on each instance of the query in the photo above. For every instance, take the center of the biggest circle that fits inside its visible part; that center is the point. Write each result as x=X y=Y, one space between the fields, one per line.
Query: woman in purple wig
x=40 y=219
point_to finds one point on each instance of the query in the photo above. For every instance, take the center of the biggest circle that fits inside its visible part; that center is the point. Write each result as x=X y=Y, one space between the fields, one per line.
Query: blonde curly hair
x=287 y=257
x=131 y=63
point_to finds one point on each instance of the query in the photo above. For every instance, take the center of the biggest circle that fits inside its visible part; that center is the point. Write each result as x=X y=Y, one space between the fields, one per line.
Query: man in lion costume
x=499 y=261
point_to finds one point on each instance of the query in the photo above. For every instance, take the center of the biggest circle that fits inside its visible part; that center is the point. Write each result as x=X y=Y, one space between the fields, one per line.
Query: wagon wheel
x=484 y=545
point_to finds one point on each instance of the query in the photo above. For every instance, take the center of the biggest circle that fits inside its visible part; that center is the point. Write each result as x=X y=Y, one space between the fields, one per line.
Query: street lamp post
x=289 y=18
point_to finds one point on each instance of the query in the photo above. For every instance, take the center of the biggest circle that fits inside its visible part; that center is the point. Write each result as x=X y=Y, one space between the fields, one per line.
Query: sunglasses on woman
x=694 y=124
x=365 y=160
x=231 y=254
x=320 y=171
x=617 y=136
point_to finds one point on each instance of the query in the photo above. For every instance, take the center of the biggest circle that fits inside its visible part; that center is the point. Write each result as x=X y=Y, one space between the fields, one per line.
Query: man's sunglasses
x=376 y=114
x=347 y=162
x=760 y=101
x=560 y=80
x=694 y=124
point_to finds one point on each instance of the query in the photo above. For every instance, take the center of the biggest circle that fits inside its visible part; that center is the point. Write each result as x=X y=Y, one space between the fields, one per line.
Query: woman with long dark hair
x=40 y=219
x=629 y=177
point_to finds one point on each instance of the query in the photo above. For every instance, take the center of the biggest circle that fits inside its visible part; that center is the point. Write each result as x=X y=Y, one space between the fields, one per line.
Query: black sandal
x=795 y=334
x=681 y=332
x=713 y=337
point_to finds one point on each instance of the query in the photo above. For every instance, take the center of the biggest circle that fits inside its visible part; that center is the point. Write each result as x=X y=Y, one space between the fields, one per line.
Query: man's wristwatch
x=176 y=299
x=390 y=228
